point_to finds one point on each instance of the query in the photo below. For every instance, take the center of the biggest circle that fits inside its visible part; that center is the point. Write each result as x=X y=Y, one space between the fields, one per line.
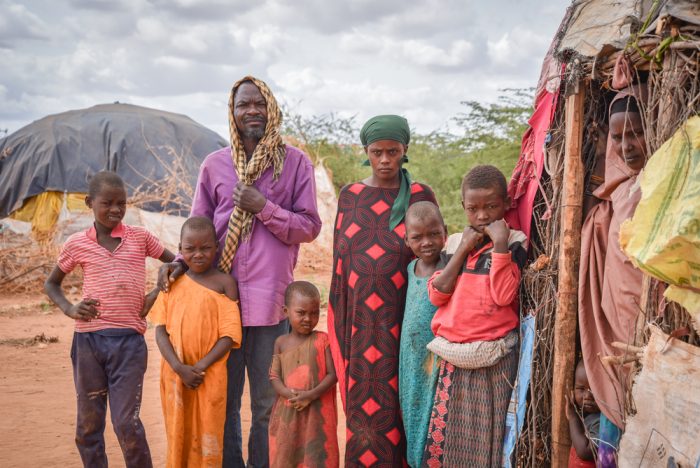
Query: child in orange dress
x=197 y=324
x=304 y=418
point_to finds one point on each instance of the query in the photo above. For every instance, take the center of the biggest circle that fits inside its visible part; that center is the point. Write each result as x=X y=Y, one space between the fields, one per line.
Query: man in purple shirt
x=282 y=204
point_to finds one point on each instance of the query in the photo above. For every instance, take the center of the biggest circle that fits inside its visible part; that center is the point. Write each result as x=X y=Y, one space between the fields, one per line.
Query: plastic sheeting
x=597 y=23
x=516 y=410
x=665 y=431
x=60 y=152
x=663 y=237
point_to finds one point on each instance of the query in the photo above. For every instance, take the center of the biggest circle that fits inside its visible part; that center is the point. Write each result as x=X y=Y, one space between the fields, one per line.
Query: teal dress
x=417 y=372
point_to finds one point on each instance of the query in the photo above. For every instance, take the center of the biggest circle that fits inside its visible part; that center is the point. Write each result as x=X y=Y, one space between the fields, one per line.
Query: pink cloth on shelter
x=525 y=180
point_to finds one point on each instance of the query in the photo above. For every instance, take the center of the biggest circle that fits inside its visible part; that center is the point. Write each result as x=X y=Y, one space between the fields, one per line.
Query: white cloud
x=515 y=47
x=459 y=54
x=267 y=42
x=151 y=29
x=419 y=58
x=18 y=23
x=170 y=61
x=191 y=41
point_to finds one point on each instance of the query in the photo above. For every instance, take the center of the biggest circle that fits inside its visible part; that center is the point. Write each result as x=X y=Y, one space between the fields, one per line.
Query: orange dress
x=195 y=317
x=306 y=438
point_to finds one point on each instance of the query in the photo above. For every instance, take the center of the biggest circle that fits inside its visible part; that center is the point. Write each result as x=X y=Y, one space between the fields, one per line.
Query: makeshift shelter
x=45 y=166
x=599 y=44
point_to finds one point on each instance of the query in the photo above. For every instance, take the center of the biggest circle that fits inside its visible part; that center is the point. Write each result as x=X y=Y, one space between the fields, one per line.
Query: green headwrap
x=395 y=128
x=385 y=127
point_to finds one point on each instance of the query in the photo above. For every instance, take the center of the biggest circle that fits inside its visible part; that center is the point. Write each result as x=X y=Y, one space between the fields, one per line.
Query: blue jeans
x=110 y=366
x=255 y=354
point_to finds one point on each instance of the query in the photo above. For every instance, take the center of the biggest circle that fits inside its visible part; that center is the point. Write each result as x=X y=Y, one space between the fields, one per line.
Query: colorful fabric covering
x=417 y=366
x=117 y=279
x=484 y=304
x=365 y=312
x=195 y=317
x=308 y=437
x=525 y=180
x=608 y=443
x=468 y=420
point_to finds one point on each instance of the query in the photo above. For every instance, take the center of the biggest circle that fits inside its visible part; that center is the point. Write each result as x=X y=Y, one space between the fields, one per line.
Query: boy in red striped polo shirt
x=109 y=353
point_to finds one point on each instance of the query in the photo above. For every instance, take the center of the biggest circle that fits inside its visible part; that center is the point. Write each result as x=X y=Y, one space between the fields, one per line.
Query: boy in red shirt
x=476 y=328
x=109 y=352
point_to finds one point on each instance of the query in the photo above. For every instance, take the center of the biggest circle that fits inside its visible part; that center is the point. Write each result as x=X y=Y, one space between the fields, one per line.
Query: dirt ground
x=37 y=397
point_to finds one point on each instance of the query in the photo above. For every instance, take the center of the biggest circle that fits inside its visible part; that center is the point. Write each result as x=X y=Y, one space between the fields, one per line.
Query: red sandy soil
x=37 y=396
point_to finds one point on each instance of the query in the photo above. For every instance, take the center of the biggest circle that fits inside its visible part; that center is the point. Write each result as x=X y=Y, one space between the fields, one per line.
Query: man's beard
x=253 y=133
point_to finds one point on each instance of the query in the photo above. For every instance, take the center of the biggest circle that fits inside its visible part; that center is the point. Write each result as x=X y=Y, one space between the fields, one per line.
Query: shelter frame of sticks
x=669 y=60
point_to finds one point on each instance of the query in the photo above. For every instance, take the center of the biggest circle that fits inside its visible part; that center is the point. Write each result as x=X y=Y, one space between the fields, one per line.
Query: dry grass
x=41 y=339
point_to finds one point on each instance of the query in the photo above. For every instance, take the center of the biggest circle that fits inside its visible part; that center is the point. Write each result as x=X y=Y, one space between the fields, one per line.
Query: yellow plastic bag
x=663 y=237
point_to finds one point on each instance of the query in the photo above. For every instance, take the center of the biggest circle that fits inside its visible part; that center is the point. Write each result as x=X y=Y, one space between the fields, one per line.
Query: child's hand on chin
x=471 y=238
x=498 y=231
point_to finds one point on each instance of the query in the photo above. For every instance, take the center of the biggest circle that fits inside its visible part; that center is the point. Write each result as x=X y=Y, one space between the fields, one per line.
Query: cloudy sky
x=418 y=58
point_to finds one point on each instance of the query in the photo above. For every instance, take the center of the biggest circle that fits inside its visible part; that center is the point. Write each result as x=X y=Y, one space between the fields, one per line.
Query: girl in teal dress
x=425 y=236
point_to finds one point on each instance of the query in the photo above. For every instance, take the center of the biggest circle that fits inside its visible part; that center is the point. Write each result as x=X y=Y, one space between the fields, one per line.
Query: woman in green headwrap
x=368 y=292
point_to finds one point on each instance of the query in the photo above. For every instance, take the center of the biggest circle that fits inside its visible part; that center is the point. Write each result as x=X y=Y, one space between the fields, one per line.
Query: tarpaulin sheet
x=60 y=152
x=597 y=23
x=516 y=410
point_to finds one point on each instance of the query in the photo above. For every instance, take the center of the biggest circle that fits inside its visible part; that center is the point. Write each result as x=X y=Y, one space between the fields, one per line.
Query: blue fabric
x=417 y=369
x=110 y=366
x=516 y=411
x=608 y=444
x=255 y=354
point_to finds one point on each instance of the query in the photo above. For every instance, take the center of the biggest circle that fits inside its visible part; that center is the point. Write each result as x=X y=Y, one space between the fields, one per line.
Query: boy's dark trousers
x=110 y=363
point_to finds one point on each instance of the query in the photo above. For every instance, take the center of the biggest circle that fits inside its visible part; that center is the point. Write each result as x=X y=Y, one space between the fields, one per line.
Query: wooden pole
x=569 y=256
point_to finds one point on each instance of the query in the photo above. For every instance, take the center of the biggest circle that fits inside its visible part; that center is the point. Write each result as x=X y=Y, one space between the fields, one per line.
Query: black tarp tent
x=60 y=152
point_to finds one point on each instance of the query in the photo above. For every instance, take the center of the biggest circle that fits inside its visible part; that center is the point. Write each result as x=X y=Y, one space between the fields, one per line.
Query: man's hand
x=190 y=376
x=498 y=231
x=84 y=310
x=470 y=239
x=248 y=198
x=168 y=273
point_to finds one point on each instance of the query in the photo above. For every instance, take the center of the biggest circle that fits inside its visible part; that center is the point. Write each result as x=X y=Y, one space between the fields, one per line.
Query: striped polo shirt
x=117 y=279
